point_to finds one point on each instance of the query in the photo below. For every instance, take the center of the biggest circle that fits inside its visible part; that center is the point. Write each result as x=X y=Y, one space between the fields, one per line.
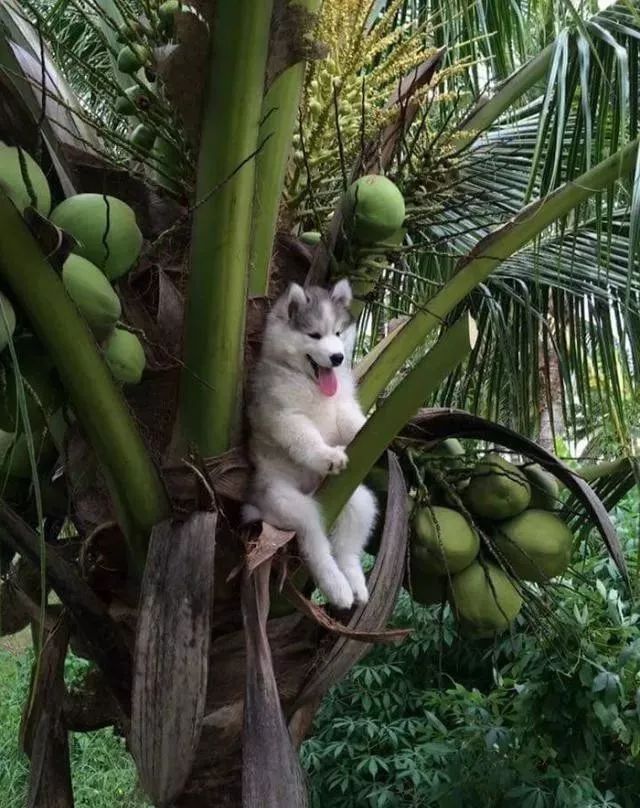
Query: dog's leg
x=287 y=508
x=349 y=537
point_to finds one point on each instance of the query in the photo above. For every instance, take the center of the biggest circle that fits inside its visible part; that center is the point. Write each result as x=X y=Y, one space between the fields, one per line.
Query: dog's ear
x=296 y=298
x=341 y=293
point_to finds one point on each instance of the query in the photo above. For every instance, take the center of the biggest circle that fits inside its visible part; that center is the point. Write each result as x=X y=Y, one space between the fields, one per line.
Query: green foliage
x=103 y=773
x=538 y=719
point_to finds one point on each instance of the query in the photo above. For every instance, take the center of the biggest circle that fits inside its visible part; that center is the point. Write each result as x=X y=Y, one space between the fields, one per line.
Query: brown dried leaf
x=170 y=316
x=266 y=545
x=172 y=654
x=184 y=70
x=272 y=776
x=44 y=733
x=319 y=615
x=291 y=42
x=90 y=501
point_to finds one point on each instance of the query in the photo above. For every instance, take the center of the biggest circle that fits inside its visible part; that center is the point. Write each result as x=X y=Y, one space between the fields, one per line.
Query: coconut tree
x=239 y=133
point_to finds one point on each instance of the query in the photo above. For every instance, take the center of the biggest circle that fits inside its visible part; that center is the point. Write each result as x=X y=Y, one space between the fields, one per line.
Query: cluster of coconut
x=476 y=543
x=140 y=101
x=373 y=212
x=108 y=243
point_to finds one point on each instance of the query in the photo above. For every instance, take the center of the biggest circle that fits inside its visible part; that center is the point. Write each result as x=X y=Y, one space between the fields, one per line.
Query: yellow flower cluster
x=345 y=94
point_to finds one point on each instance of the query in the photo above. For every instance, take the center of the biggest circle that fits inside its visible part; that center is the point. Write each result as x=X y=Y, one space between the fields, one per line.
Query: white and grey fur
x=298 y=435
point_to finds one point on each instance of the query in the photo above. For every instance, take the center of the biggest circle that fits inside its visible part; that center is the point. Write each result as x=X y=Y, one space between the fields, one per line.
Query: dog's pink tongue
x=327 y=381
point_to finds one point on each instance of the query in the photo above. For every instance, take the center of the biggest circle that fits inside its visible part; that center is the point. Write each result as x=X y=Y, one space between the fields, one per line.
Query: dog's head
x=312 y=330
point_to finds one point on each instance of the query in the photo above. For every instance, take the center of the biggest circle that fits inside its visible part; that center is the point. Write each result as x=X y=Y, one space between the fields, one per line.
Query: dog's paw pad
x=362 y=596
x=340 y=595
x=338 y=460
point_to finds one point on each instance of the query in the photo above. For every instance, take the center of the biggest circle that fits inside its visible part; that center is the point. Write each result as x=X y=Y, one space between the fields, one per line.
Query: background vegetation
x=526 y=722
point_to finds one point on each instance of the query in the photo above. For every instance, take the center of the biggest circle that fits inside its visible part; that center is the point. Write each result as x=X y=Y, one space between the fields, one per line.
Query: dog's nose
x=336 y=359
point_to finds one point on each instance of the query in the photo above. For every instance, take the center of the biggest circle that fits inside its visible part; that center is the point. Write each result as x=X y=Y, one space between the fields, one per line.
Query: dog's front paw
x=336 y=459
x=338 y=592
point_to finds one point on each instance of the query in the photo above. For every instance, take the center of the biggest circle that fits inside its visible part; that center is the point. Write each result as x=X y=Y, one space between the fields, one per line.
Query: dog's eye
x=315 y=335
x=338 y=333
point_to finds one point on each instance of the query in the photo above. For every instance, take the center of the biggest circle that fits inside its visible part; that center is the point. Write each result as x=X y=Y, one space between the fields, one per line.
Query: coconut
x=167 y=12
x=143 y=137
x=92 y=293
x=544 y=488
x=485 y=598
x=497 y=489
x=7 y=322
x=373 y=208
x=95 y=220
x=42 y=389
x=536 y=544
x=132 y=57
x=13 y=184
x=135 y=98
x=443 y=542
x=311 y=237
x=167 y=163
x=428 y=590
x=124 y=354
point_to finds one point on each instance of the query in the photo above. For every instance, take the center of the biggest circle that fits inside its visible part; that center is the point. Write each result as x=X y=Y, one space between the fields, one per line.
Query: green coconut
x=485 y=598
x=13 y=184
x=536 y=544
x=167 y=12
x=311 y=237
x=373 y=209
x=124 y=354
x=42 y=390
x=143 y=137
x=544 y=488
x=497 y=489
x=135 y=98
x=106 y=231
x=92 y=293
x=132 y=57
x=7 y=322
x=443 y=542
x=427 y=590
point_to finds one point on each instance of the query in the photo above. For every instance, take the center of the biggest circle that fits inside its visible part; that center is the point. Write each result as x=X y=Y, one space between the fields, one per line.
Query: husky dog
x=303 y=411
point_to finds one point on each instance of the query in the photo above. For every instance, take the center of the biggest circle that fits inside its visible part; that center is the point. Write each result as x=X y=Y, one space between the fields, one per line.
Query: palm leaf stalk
x=279 y=120
x=486 y=112
x=222 y=221
x=138 y=494
x=484 y=258
x=406 y=399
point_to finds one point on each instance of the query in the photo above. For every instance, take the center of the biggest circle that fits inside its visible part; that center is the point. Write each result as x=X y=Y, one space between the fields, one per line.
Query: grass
x=102 y=771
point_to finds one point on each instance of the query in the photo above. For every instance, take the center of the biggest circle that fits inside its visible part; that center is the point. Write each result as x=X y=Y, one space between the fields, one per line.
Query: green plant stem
x=483 y=259
x=135 y=484
x=221 y=233
x=486 y=112
x=279 y=118
x=405 y=400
